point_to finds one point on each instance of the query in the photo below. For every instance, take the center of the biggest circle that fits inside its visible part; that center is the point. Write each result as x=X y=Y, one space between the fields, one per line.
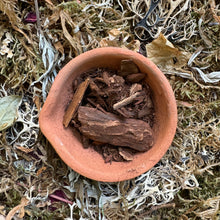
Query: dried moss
x=188 y=175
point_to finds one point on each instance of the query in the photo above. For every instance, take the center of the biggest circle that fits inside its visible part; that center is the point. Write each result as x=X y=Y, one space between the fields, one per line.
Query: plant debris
x=114 y=111
x=77 y=99
x=186 y=178
x=108 y=128
x=8 y=110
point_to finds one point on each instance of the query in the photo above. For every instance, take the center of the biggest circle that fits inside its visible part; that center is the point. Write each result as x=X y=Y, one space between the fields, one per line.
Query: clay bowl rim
x=87 y=162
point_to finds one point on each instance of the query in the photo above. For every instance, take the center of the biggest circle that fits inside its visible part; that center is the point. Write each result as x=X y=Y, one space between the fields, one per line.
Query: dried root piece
x=126 y=101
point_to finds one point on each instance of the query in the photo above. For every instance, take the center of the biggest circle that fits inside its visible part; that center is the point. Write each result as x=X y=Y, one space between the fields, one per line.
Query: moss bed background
x=37 y=38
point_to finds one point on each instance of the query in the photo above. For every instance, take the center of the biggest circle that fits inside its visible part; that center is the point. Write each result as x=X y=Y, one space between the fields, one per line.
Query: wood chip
x=126 y=154
x=128 y=67
x=95 y=88
x=106 y=78
x=135 y=88
x=77 y=99
x=135 y=78
x=126 y=101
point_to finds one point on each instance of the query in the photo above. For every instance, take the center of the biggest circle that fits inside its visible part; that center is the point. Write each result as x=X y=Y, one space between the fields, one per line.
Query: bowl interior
x=66 y=141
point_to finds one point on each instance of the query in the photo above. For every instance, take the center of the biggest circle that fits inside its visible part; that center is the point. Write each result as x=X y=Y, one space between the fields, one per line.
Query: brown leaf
x=165 y=55
x=73 y=40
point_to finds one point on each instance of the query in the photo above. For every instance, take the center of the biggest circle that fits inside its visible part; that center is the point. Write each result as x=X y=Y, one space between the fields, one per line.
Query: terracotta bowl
x=88 y=162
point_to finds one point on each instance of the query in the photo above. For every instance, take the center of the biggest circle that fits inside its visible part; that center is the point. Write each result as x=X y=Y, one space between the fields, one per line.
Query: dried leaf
x=119 y=38
x=8 y=110
x=74 y=41
x=134 y=45
x=165 y=55
x=108 y=43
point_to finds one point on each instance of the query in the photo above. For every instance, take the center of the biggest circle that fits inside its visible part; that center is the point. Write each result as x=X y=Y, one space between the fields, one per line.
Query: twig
x=200 y=171
x=96 y=105
x=169 y=205
x=122 y=113
x=61 y=199
x=119 y=20
x=126 y=101
x=38 y=16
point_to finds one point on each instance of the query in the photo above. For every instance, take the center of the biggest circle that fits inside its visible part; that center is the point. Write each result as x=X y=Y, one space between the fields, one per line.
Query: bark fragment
x=73 y=106
x=109 y=128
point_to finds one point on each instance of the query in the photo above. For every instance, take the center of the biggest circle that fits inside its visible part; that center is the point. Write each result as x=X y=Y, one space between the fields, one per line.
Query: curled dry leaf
x=165 y=55
x=108 y=43
x=73 y=40
x=8 y=110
